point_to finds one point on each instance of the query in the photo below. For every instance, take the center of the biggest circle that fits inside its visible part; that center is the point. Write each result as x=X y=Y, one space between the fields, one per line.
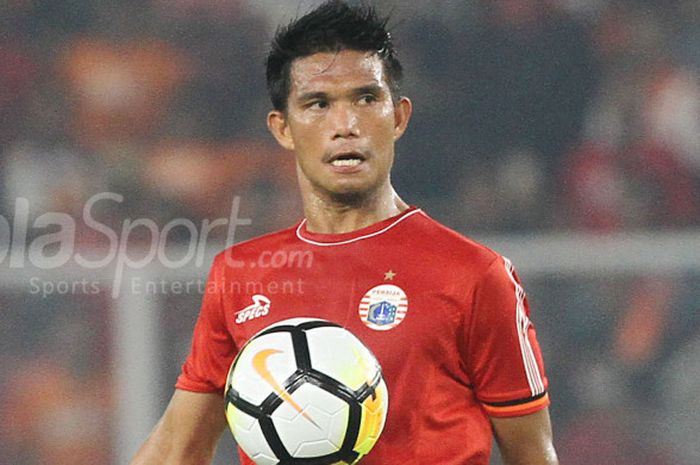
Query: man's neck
x=327 y=216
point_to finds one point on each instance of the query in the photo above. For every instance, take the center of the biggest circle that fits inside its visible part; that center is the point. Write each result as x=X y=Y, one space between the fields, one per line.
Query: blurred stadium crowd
x=530 y=116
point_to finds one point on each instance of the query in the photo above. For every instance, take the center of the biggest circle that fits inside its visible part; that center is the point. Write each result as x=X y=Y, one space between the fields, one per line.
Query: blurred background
x=565 y=133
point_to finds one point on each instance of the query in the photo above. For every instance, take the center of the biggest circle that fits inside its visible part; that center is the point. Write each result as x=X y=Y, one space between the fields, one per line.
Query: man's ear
x=278 y=126
x=402 y=114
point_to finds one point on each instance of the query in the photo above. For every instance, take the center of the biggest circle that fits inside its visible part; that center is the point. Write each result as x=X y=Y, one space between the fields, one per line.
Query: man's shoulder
x=454 y=245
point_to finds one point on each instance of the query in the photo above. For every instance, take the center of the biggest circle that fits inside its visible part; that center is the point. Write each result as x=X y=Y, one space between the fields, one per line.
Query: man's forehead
x=345 y=67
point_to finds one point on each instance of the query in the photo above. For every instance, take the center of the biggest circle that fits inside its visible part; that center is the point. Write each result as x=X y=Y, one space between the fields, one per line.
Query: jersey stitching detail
x=472 y=316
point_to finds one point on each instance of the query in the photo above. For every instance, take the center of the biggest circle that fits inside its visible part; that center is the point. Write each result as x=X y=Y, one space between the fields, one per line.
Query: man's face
x=341 y=122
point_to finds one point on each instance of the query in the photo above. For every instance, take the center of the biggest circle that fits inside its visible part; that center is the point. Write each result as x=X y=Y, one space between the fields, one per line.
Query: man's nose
x=345 y=121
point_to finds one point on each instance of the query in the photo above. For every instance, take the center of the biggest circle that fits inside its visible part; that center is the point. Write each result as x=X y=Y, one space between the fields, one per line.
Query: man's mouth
x=347 y=159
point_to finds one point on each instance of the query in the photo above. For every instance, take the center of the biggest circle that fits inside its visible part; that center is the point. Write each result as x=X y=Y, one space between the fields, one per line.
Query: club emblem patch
x=383 y=307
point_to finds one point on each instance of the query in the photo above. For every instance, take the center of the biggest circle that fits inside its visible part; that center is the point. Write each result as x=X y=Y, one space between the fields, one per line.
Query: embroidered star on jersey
x=389 y=275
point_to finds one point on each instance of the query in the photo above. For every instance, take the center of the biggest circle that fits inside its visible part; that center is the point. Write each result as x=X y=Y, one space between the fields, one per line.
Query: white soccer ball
x=305 y=391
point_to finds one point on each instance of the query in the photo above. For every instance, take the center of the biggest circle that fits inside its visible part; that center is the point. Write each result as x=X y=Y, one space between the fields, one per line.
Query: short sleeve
x=502 y=355
x=213 y=348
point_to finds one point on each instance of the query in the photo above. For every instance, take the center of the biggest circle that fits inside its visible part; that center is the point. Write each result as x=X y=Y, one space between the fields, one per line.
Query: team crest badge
x=383 y=307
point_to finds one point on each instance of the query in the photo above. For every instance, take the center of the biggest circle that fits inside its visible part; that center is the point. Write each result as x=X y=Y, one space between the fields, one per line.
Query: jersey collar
x=327 y=240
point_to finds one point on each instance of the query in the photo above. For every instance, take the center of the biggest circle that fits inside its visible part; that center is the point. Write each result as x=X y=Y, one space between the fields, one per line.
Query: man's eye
x=318 y=105
x=367 y=99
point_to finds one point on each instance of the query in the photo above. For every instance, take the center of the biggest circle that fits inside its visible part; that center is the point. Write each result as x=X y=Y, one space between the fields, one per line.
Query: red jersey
x=446 y=317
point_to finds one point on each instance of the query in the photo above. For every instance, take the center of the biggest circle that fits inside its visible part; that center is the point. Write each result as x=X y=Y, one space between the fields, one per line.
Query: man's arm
x=187 y=433
x=526 y=440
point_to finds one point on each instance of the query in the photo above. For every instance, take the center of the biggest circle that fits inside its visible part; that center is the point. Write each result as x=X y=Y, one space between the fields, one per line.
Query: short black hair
x=332 y=27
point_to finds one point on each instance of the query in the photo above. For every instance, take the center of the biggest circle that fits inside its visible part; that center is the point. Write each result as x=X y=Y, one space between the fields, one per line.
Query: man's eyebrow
x=373 y=89
x=312 y=96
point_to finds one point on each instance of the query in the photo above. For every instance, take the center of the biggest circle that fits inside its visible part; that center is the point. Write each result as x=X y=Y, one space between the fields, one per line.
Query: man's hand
x=526 y=440
x=187 y=433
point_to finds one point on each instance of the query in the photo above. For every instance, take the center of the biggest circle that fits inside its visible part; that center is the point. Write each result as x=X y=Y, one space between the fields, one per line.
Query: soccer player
x=446 y=317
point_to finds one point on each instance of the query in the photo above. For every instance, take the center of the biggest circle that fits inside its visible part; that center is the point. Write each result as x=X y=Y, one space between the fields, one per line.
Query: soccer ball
x=305 y=392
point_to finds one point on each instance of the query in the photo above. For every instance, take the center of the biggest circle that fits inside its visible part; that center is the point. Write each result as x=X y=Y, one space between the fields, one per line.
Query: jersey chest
x=397 y=307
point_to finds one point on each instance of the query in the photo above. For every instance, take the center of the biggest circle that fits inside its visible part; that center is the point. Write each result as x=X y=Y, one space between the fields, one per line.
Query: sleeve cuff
x=187 y=384
x=518 y=407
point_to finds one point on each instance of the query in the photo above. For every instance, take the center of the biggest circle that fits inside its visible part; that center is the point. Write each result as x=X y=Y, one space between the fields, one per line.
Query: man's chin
x=350 y=192
x=350 y=196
